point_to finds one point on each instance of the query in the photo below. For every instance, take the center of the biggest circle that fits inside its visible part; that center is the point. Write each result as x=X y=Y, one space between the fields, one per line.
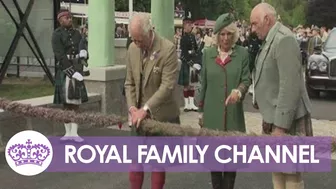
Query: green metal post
x=101 y=33
x=162 y=14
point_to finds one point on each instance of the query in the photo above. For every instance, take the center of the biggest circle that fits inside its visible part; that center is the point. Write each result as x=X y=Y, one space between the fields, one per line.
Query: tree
x=138 y=5
x=322 y=13
x=121 y=5
x=292 y=12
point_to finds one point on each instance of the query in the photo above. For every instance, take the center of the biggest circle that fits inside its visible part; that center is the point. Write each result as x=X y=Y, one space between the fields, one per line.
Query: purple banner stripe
x=192 y=154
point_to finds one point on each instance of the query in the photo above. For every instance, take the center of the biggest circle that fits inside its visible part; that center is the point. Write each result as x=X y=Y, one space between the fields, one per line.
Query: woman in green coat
x=225 y=81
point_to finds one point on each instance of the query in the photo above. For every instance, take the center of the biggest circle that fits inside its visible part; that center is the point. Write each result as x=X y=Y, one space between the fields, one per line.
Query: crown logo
x=29 y=153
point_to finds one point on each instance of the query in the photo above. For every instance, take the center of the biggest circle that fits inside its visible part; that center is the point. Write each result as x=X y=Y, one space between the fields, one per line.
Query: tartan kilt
x=59 y=93
x=184 y=75
x=301 y=127
x=188 y=76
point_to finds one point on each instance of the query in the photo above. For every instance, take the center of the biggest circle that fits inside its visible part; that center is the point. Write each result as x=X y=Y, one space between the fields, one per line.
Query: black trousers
x=223 y=180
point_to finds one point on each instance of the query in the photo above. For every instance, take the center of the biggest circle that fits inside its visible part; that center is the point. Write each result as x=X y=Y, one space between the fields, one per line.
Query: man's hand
x=278 y=131
x=132 y=110
x=200 y=120
x=232 y=98
x=138 y=116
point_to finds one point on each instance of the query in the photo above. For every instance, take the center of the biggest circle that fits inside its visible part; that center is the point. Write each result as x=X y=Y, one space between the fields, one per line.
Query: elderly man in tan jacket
x=151 y=78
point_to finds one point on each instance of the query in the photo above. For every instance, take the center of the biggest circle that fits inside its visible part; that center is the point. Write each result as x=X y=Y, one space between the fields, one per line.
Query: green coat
x=217 y=84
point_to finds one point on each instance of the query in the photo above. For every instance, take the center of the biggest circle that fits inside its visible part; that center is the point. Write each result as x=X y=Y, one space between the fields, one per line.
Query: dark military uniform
x=188 y=57
x=188 y=76
x=65 y=44
x=83 y=44
x=254 y=45
x=199 y=52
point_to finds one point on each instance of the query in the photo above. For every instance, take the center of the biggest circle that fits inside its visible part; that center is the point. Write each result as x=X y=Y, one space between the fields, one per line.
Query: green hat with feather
x=223 y=21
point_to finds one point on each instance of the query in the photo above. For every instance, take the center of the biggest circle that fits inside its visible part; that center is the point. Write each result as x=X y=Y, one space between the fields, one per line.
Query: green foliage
x=24 y=88
x=121 y=5
x=299 y=15
x=322 y=13
x=292 y=12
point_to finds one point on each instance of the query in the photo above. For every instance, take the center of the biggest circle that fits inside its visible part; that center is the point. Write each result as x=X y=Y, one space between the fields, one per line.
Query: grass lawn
x=24 y=88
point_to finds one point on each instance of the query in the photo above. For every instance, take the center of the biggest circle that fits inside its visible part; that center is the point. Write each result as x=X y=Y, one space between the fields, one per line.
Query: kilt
x=301 y=127
x=61 y=90
x=188 y=76
x=184 y=74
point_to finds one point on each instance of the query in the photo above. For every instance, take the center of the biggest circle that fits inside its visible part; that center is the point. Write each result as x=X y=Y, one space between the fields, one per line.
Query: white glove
x=85 y=69
x=78 y=76
x=83 y=54
x=197 y=66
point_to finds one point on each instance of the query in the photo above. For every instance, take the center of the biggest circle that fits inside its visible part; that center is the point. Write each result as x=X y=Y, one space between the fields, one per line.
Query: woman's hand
x=233 y=98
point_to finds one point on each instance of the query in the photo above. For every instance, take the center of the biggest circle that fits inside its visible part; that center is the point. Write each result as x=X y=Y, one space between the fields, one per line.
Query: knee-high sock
x=67 y=129
x=74 y=129
x=158 y=180
x=191 y=93
x=279 y=180
x=136 y=179
x=294 y=181
x=192 y=100
x=186 y=99
x=74 y=134
x=185 y=93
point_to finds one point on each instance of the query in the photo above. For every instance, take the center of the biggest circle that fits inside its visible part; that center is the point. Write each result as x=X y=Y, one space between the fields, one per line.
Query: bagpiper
x=70 y=90
x=190 y=67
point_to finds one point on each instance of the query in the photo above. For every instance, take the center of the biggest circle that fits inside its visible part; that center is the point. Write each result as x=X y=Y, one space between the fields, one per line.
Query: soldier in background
x=254 y=45
x=70 y=90
x=83 y=44
x=189 y=66
x=315 y=41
